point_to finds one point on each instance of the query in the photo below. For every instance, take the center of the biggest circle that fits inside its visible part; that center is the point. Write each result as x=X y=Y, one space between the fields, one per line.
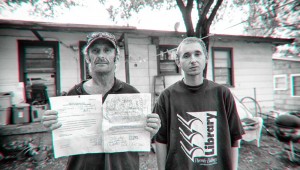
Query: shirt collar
x=118 y=85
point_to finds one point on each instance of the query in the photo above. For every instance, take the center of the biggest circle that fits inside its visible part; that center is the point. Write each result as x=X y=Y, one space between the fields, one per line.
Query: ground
x=251 y=158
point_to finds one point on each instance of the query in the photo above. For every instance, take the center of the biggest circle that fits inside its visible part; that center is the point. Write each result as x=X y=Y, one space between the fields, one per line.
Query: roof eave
x=255 y=39
x=50 y=26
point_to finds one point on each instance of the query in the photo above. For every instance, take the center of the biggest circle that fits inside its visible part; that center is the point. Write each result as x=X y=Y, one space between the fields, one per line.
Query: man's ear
x=87 y=59
x=177 y=61
x=116 y=58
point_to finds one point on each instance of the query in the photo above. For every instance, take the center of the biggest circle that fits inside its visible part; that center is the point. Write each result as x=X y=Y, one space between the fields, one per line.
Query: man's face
x=102 y=55
x=191 y=59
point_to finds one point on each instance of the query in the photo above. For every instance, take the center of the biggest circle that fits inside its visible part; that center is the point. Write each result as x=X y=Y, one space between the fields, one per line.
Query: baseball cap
x=92 y=37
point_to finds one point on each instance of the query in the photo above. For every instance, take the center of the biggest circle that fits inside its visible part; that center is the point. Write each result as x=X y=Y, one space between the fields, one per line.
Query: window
x=280 y=82
x=39 y=70
x=295 y=85
x=166 y=55
x=222 y=66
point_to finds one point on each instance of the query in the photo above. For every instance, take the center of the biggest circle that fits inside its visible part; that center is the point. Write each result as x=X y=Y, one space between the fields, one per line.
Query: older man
x=102 y=54
x=200 y=126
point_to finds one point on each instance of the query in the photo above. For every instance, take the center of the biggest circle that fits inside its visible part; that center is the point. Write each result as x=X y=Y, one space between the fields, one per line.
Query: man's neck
x=193 y=80
x=103 y=80
x=99 y=84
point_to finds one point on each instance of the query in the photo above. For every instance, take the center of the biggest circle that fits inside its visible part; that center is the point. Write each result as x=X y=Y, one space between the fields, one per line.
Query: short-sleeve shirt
x=105 y=161
x=199 y=125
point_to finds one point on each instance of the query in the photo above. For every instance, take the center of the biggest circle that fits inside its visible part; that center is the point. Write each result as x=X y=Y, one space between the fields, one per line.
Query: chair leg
x=292 y=152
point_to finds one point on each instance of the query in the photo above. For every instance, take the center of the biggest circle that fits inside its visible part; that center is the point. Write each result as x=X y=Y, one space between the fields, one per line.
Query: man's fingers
x=151 y=130
x=50 y=112
x=153 y=125
x=152 y=115
x=49 y=120
x=48 y=123
x=51 y=117
x=153 y=120
x=55 y=126
x=52 y=124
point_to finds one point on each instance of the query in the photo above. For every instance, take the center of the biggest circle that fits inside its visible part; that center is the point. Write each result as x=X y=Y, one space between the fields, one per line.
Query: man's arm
x=235 y=154
x=161 y=154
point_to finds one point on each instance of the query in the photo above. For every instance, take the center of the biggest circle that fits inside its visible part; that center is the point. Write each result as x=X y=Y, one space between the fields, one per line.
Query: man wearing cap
x=102 y=54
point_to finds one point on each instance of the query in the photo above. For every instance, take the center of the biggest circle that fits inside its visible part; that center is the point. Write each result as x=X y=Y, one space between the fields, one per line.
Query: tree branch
x=213 y=13
x=202 y=17
x=207 y=5
x=186 y=12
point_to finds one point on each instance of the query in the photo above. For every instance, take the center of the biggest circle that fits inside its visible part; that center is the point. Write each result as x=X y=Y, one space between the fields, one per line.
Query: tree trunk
x=203 y=32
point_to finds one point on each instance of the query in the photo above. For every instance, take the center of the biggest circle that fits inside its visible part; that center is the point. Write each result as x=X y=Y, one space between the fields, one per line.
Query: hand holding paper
x=153 y=123
x=49 y=120
x=122 y=124
x=81 y=118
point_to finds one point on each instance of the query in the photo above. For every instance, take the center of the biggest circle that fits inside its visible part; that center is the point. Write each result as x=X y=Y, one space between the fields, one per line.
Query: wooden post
x=126 y=52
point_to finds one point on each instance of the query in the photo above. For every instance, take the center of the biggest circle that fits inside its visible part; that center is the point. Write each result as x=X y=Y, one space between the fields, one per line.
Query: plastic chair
x=251 y=124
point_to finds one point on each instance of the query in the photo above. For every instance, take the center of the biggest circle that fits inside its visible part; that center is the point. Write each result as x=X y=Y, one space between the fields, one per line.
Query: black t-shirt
x=199 y=126
x=105 y=161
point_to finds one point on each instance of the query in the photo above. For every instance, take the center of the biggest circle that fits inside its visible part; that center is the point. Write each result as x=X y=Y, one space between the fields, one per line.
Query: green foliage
x=276 y=19
x=127 y=8
x=267 y=17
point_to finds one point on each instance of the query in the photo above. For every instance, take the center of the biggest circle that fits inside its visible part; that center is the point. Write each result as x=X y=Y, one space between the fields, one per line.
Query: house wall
x=252 y=62
x=69 y=59
x=143 y=62
x=9 y=55
x=142 y=58
x=283 y=99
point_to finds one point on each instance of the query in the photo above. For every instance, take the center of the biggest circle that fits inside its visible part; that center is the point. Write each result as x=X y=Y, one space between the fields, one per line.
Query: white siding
x=139 y=66
x=283 y=99
x=252 y=62
x=120 y=71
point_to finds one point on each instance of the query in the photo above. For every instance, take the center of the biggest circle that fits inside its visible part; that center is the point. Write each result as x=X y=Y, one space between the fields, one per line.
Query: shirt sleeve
x=161 y=135
x=234 y=122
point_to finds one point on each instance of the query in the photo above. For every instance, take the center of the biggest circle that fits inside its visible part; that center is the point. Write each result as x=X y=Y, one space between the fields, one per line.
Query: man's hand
x=49 y=120
x=153 y=123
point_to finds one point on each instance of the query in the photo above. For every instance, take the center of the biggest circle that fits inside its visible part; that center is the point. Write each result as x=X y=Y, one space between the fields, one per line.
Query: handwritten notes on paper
x=89 y=127
x=124 y=119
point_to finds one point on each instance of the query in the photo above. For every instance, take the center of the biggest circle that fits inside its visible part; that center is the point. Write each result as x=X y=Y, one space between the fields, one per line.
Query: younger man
x=200 y=126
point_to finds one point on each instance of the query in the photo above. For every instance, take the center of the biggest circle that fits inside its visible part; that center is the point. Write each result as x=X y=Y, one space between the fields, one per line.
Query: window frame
x=292 y=84
x=275 y=77
x=22 y=44
x=231 y=69
x=159 y=61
